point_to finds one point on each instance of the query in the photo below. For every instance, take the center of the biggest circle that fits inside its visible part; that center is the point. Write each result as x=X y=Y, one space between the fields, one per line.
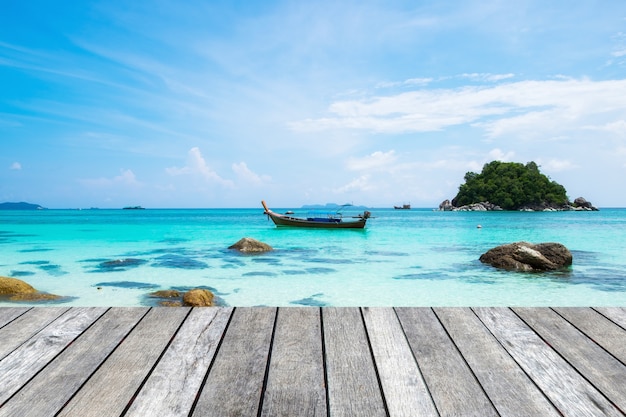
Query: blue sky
x=224 y=103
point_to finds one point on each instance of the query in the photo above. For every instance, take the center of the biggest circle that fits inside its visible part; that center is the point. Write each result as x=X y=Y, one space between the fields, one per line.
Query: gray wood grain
x=179 y=374
x=45 y=394
x=353 y=388
x=402 y=382
x=24 y=362
x=295 y=382
x=8 y=314
x=605 y=372
x=235 y=380
x=25 y=326
x=452 y=384
x=508 y=387
x=616 y=314
x=562 y=384
x=598 y=328
x=110 y=389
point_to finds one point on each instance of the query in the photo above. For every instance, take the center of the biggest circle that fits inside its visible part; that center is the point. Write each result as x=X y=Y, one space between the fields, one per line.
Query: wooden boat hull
x=289 y=221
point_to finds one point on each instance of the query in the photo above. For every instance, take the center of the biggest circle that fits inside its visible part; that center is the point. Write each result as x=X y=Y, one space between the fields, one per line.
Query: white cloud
x=377 y=160
x=244 y=173
x=197 y=166
x=126 y=178
x=525 y=109
x=487 y=77
x=555 y=165
x=16 y=166
x=498 y=155
x=359 y=184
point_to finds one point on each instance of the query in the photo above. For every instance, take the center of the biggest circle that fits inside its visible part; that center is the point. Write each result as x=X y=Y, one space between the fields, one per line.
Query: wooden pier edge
x=312 y=361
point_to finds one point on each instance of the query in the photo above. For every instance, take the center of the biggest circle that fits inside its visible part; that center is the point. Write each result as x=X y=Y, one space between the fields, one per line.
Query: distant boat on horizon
x=403 y=207
x=133 y=208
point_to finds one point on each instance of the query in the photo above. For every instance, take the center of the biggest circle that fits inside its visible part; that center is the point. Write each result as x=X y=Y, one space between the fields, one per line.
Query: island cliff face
x=512 y=186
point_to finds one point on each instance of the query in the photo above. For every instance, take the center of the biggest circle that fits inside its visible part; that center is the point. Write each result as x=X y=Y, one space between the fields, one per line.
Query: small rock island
x=512 y=186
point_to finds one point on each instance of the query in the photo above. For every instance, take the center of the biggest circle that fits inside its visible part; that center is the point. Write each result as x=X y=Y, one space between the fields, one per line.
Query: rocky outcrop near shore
x=249 y=245
x=527 y=257
x=15 y=289
x=446 y=205
x=579 y=204
x=196 y=297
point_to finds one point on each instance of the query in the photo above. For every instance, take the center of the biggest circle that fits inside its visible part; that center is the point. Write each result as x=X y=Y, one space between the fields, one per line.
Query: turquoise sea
x=416 y=257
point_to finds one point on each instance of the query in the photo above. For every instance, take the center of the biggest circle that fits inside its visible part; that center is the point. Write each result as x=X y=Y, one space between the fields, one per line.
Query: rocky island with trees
x=512 y=186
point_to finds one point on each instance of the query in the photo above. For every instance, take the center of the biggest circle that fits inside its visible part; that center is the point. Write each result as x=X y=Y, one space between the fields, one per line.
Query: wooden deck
x=312 y=362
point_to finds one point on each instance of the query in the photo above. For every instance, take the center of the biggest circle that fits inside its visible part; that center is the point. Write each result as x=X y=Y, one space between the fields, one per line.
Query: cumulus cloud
x=361 y=183
x=197 y=166
x=16 y=166
x=244 y=173
x=498 y=155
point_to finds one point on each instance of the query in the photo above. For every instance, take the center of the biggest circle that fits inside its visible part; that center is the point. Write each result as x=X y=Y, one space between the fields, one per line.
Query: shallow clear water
x=402 y=258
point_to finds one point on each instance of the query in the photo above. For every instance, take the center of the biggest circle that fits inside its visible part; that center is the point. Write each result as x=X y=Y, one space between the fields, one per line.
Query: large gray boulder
x=524 y=256
x=249 y=245
x=582 y=204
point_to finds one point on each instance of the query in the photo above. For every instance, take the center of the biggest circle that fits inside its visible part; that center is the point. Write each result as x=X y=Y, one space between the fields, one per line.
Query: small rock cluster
x=197 y=297
x=579 y=204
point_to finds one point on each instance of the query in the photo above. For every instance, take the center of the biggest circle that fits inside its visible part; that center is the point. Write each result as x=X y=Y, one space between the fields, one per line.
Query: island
x=512 y=186
x=20 y=206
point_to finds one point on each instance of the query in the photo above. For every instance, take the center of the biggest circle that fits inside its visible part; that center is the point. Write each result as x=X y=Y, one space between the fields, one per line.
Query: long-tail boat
x=333 y=220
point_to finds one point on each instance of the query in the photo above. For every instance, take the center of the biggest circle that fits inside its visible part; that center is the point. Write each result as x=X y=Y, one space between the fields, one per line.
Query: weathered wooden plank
x=605 y=372
x=452 y=384
x=616 y=314
x=8 y=314
x=110 y=389
x=24 y=362
x=402 y=382
x=508 y=387
x=235 y=380
x=45 y=394
x=598 y=328
x=562 y=384
x=25 y=326
x=295 y=382
x=179 y=374
x=353 y=388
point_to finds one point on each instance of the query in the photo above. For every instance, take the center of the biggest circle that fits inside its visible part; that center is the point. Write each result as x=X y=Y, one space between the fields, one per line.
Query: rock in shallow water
x=18 y=290
x=527 y=257
x=250 y=245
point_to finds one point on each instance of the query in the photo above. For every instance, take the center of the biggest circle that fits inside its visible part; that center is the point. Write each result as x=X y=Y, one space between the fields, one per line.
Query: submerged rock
x=527 y=257
x=17 y=290
x=12 y=286
x=249 y=245
x=198 y=298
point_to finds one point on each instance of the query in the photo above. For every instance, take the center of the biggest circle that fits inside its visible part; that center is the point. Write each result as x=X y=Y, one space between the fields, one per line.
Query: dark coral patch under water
x=178 y=262
x=320 y=270
x=259 y=274
x=15 y=274
x=120 y=264
x=424 y=275
x=311 y=301
x=127 y=284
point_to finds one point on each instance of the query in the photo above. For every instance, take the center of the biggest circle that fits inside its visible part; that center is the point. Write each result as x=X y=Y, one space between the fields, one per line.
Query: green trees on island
x=511 y=186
